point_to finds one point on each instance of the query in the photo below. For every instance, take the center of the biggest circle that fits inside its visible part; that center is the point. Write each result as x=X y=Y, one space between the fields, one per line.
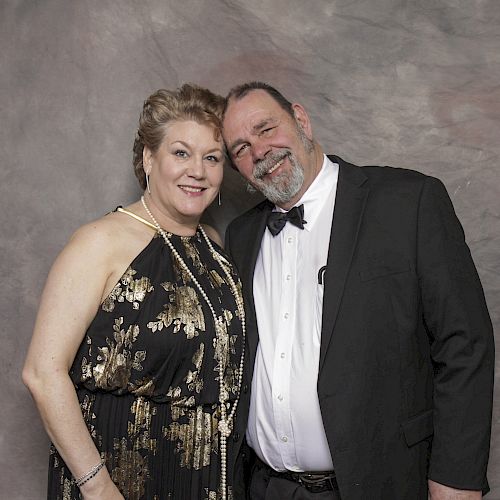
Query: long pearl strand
x=226 y=421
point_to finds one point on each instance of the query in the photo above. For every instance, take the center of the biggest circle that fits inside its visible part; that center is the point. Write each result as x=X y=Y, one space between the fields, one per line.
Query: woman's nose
x=196 y=168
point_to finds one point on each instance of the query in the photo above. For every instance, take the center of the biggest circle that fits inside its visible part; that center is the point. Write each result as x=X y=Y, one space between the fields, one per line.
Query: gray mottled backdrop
x=410 y=83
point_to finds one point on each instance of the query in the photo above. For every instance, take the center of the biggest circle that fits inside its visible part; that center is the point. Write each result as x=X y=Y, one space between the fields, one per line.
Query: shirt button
x=289 y=239
x=280 y=397
x=286 y=315
x=282 y=355
x=288 y=277
x=284 y=439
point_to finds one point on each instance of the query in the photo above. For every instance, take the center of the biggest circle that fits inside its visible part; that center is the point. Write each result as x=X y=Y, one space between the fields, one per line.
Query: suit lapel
x=348 y=212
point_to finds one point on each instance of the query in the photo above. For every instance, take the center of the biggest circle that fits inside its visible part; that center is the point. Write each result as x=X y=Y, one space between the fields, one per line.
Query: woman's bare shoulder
x=111 y=229
x=100 y=235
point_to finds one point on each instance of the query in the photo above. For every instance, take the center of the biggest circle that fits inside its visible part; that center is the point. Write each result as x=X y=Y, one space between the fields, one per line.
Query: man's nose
x=259 y=150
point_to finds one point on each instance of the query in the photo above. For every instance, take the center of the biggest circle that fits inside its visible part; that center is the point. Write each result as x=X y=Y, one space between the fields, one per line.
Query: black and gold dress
x=146 y=375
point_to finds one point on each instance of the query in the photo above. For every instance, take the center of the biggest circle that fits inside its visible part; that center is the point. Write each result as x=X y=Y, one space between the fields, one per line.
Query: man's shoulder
x=244 y=228
x=384 y=175
x=252 y=213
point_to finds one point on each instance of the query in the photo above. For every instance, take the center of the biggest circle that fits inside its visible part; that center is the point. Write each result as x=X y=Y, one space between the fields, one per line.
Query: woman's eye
x=181 y=153
x=213 y=158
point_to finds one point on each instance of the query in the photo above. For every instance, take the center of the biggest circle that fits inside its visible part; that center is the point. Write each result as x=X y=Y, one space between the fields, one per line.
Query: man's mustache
x=262 y=167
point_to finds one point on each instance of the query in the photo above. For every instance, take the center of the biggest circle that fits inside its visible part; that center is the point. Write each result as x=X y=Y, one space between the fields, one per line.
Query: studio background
x=408 y=83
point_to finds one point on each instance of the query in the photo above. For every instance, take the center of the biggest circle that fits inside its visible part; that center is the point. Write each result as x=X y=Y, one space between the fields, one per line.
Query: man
x=367 y=330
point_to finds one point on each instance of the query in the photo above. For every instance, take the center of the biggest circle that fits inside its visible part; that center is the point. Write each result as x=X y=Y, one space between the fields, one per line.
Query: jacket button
x=236 y=436
x=245 y=388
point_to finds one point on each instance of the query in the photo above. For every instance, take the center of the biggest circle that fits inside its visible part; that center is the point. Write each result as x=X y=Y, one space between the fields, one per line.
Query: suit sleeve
x=461 y=342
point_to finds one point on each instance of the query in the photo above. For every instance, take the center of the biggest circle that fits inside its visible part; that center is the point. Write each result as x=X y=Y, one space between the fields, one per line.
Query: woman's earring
x=147 y=178
x=218 y=199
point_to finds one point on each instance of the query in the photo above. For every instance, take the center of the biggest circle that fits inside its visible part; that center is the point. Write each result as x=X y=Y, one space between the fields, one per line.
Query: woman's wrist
x=97 y=485
x=91 y=473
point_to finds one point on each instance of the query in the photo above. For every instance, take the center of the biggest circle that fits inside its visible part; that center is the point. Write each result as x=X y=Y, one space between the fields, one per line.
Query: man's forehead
x=255 y=107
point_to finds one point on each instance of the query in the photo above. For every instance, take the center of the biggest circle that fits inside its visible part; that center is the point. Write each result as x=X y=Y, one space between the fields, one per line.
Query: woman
x=136 y=359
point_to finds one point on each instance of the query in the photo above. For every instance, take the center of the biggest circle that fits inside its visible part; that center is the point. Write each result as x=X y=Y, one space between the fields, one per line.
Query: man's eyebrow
x=262 y=124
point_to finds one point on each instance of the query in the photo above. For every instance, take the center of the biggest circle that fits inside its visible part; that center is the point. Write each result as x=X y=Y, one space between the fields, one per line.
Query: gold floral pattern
x=138 y=429
x=142 y=387
x=224 y=350
x=115 y=362
x=215 y=495
x=183 y=311
x=128 y=289
x=193 y=378
x=215 y=278
x=194 y=256
x=195 y=432
x=128 y=464
x=128 y=470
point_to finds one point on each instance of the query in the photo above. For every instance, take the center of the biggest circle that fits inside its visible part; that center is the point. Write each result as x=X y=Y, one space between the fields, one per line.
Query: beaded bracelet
x=90 y=474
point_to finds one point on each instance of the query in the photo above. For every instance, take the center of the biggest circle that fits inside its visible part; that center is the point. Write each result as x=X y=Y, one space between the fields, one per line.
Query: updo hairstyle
x=189 y=102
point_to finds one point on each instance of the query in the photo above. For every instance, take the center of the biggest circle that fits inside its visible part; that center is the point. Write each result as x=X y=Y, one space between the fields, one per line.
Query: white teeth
x=190 y=189
x=270 y=171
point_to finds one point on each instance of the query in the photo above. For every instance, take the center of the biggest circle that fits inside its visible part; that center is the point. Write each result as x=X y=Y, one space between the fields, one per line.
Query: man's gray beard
x=284 y=186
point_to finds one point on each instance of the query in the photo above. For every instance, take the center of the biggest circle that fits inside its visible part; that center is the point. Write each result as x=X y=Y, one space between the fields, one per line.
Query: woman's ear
x=147 y=159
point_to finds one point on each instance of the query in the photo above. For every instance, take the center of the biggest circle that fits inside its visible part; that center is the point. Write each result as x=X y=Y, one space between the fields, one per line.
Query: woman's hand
x=110 y=493
x=439 y=491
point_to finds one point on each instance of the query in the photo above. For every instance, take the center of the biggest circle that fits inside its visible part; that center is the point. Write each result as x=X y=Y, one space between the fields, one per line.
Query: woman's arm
x=72 y=295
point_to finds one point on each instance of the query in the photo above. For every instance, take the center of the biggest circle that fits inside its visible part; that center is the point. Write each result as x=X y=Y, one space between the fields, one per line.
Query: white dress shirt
x=285 y=427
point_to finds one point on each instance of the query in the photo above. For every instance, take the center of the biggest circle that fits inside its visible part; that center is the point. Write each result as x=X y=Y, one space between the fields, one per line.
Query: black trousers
x=265 y=486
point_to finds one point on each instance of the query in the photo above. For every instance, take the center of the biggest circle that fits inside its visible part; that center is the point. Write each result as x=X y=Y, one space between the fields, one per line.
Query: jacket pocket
x=418 y=428
x=383 y=269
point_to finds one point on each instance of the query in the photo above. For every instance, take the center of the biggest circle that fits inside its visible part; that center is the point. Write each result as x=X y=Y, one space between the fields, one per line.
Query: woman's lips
x=192 y=189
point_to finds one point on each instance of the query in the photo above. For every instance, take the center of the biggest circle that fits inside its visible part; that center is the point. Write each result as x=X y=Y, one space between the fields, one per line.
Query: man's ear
x=302 y=118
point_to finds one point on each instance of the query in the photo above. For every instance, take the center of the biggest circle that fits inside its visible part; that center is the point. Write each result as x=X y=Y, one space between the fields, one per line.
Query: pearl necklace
x=226 y=421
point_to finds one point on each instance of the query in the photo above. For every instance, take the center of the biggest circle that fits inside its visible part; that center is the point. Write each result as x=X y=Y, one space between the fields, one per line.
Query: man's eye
x=181 y=153
x=241 y=151
x=267 y=131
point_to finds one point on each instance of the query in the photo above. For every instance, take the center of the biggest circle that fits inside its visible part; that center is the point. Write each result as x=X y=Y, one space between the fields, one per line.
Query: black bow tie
x=276 y=220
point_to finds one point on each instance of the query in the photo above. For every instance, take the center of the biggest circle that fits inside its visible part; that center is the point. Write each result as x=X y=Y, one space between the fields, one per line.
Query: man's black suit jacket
x=407 y=356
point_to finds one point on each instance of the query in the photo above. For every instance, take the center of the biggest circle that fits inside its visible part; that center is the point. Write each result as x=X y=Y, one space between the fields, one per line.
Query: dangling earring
x=147 y=177
x=218 y=199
